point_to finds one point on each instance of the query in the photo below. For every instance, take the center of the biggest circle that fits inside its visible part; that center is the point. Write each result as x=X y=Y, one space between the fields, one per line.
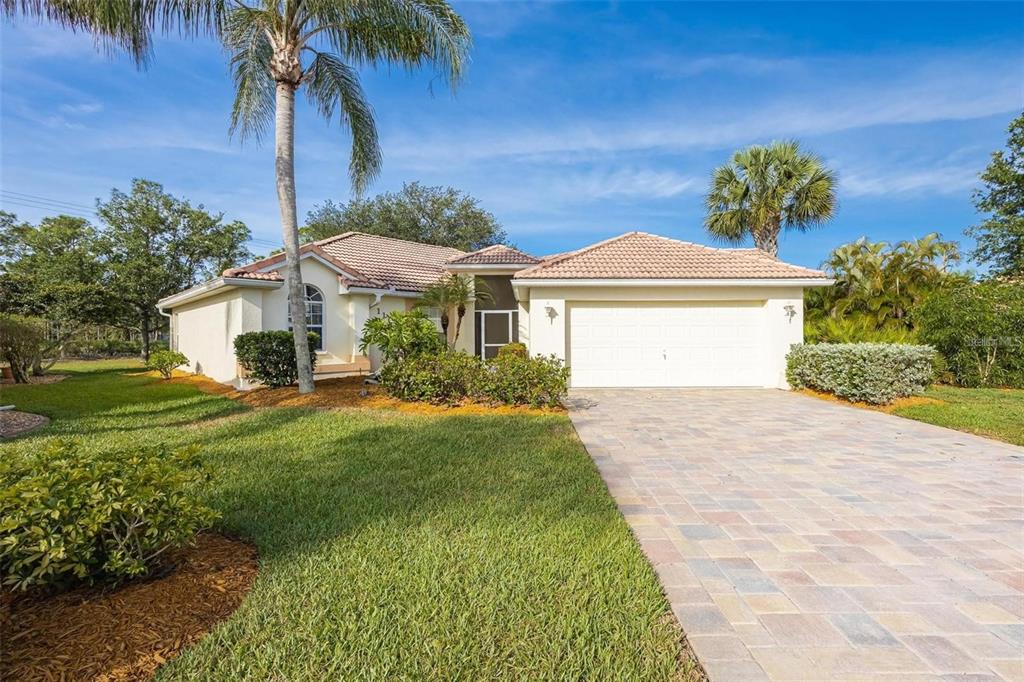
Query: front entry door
x=496 y=328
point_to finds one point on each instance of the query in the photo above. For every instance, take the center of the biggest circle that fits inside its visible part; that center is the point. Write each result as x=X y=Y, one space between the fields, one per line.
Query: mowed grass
x=395 y=545
x=993 y=412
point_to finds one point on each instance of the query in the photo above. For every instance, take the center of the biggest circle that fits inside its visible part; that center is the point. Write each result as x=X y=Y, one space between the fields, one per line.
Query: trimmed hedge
x=450 y=377
x=70 y=515
x=875 y=373
x=269 y=357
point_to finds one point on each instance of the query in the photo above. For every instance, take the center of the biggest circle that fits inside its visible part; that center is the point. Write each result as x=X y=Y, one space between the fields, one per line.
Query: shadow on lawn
x=325 y=477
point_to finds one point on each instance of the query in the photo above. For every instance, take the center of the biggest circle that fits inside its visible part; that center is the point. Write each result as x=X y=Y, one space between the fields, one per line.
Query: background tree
x=55 y=271
x=430 y=215
x=1000 y=239
x=155 y=245
x=764 y=190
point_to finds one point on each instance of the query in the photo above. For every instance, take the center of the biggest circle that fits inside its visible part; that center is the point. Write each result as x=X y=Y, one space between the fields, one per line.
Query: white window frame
x=318 y=328
x=483 y=330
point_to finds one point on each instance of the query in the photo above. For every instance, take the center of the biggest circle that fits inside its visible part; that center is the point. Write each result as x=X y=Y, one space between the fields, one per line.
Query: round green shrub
x=514 y=348
x=445 y=378
x=166 y=361
x=400 y=335
x=69 y=515
x=269 y=357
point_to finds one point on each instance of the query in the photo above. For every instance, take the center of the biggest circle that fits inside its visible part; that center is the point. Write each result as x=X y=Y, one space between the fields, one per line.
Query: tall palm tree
x=277 y=47
x=764 y=190
x=453 y=293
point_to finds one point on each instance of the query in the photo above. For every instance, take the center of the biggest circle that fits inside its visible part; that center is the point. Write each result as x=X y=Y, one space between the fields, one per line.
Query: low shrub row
x=875 y=373
x=450 y=377
x=69 y=515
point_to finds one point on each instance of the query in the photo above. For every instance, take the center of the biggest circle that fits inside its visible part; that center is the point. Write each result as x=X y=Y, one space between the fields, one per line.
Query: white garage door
x=693 y=344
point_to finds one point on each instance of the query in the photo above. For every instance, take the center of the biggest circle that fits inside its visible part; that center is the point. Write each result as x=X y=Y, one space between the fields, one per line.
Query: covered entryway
x=667 y=344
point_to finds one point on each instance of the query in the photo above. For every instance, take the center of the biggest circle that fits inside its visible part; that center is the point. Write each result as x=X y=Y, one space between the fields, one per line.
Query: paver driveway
x=802 y=539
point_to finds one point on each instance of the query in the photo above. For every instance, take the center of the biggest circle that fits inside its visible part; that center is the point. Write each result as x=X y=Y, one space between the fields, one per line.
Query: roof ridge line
x=351 y=233
x=570 y=254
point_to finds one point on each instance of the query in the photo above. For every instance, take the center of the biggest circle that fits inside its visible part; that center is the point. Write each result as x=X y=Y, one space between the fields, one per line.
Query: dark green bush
x=21 y=343
x=862 y=372
x=269 y=357
x=979 y=330
x=446 y=378
x=514 y=348
x=400 y=335
x=452 y=376
x=111 y=347
x=166 y=361
x=516 y=380
x=68 y=515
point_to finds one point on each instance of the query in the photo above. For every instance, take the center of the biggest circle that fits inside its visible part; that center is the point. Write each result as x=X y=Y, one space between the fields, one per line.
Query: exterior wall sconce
x=550 y=312
x=790 y=311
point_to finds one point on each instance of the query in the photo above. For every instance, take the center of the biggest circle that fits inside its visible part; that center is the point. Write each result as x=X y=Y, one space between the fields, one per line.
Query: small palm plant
x=453 y=293
x=765 y=189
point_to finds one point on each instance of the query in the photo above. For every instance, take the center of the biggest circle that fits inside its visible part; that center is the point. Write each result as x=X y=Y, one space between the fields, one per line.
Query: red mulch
x=125 y=633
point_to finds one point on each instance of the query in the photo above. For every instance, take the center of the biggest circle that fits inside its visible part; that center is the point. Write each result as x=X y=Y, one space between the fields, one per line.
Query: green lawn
x=395 y=545
x=992 y=412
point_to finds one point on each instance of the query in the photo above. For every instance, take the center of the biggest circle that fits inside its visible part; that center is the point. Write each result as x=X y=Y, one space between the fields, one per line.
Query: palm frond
x=246 y=35
x=333 y=85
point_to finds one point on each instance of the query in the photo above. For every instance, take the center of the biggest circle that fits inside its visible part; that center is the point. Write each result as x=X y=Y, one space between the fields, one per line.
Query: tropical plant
x=166 y=361
x=453 y=293
x=278 y=46
x=877 y=286
x=400 y=335
x=855 y=328
x=764 y=190
x=71 y=514
x=431 y=215
x=1000 y=238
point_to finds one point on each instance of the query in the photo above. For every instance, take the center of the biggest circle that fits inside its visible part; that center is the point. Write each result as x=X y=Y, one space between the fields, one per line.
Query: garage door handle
x=664 y=355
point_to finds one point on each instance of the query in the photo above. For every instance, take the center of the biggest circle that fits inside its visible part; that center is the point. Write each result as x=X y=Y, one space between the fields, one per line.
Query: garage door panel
x=689 y=344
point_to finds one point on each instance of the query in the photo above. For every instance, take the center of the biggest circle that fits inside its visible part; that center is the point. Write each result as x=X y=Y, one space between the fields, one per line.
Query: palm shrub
x=876 y=373
x=979 y=329
x=399 y=335
x=166 y=361
x=855 y=328
x=453 y=293
x=71 y=515
x=269 y=356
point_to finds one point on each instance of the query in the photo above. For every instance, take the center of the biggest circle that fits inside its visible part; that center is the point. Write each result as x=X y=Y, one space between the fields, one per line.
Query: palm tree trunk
x=284 y=159
x=767 y=239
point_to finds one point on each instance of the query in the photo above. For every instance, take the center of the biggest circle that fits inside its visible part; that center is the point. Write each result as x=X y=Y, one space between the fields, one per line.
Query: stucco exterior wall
x=206 y=330
x=549 y=312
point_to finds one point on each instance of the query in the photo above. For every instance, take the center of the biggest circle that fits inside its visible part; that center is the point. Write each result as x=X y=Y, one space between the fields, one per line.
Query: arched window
x=314 y=313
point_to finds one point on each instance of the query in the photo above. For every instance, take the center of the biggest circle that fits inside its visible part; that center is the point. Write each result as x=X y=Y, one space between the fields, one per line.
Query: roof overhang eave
x=215 y=286
x=724 y=282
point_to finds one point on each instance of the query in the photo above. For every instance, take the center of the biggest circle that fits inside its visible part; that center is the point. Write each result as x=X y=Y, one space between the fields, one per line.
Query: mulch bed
x=14 y=423
x=128 y=632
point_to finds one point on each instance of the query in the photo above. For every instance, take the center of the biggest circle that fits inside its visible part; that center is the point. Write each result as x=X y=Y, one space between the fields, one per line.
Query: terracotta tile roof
x=498 y=254
x=372 y=261
x=241 y=273
x=638 y=255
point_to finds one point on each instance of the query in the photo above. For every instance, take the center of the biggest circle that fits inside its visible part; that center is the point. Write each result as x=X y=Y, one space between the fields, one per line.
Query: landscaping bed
x=15 y=423
x=97 y=633
x=447 y=543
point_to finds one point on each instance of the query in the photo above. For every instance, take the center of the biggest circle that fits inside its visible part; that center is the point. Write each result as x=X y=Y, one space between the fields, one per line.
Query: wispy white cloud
x=733 y=63
x=82 y=108
x=953 y=179
x=624 y=183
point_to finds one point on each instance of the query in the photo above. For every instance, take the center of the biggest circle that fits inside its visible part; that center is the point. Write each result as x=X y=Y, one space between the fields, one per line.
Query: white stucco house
x=637 y=310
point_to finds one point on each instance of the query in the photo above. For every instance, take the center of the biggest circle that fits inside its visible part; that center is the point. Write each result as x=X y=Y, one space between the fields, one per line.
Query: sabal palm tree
x=278 y=46
x=453 y=293
x=764 y=190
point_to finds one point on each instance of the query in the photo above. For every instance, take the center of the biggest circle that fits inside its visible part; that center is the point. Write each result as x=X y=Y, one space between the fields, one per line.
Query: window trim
x=318 y=328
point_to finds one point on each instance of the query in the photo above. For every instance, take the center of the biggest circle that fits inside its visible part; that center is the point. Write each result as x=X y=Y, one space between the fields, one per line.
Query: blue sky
x=577 y=121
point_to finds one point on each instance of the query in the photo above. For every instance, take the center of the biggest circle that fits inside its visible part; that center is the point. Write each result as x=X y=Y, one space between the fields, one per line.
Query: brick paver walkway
x=799 y=539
